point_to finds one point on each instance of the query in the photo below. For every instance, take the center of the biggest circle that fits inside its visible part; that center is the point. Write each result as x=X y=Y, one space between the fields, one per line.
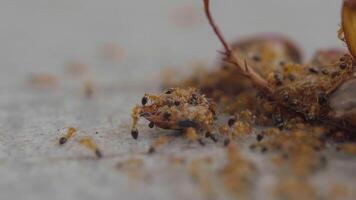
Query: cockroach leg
x=236 y=60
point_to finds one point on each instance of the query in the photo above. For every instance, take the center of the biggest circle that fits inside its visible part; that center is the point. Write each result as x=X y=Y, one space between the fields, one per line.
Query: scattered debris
x=295 y=188
x=239 y=174
x=46 y=81
x=134 y=168
x=76 y=68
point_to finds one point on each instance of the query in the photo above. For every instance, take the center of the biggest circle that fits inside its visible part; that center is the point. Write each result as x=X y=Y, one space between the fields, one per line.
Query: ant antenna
x=246 y=70
x=215 y=27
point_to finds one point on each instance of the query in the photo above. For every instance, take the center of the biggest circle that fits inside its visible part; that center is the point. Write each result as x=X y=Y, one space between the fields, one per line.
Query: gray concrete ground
x=41 y=37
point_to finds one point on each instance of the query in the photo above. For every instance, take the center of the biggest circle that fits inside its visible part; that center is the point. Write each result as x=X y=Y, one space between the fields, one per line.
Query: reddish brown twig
x=236 y=60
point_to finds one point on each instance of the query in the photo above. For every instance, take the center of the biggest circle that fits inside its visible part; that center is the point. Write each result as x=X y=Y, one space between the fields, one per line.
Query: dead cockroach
x=299 y=89
x=317 y=92
x=176 y=109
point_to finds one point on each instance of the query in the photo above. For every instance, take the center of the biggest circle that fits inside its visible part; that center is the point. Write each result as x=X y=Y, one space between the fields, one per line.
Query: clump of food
x=307 y=95
x=294 y=188
x=296 y=151
x=176 y=109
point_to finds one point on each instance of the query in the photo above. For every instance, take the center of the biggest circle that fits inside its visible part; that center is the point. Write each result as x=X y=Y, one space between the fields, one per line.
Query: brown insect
x=300 y=90
x=90 y=144
x=176 y=109
x=70 y=133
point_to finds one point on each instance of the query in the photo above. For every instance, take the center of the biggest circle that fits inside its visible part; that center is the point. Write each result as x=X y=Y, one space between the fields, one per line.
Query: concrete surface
x=41 y=36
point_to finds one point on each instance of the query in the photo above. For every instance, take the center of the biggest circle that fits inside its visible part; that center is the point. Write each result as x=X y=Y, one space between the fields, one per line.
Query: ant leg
x=227 y=139
x=192 y=135
x=159 y=142
x=212 y=136
x=135 y=115
x=89 y=143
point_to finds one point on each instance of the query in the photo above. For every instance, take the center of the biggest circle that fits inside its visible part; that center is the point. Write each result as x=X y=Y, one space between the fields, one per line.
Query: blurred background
x=43 y=36
x=54 y=54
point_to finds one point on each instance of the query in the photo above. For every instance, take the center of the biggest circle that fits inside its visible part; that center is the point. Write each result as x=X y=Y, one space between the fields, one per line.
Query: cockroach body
x=176 y=109
x=267 y=52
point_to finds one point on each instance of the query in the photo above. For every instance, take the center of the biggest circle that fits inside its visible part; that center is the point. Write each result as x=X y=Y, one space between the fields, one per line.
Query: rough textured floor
x=41 y=37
